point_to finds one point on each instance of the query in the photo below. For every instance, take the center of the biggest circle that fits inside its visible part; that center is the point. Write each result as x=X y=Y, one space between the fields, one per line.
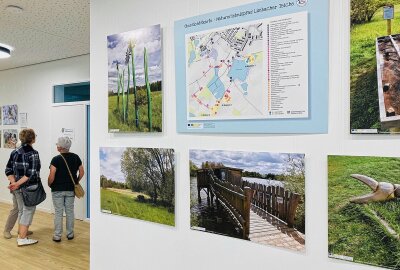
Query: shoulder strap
x=70 y=174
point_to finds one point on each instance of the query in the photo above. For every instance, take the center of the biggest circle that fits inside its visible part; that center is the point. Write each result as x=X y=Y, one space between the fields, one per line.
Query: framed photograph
x=10 y=138
x=10 y=114
x=254 y=196
x=135 y=81
x=364 y=210
x=138 y=183
x=374 y=67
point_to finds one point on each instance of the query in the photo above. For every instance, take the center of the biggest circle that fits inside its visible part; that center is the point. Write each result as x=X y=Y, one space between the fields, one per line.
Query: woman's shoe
x=26 y=241
x=7 y=235
x=55 y=239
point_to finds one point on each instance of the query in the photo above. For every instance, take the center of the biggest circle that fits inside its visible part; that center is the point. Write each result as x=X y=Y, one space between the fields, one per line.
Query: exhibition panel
x=215 y=107
x=249 y=69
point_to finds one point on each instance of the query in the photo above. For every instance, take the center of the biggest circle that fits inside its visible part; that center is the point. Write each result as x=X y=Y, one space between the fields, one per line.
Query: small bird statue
x=381 y=191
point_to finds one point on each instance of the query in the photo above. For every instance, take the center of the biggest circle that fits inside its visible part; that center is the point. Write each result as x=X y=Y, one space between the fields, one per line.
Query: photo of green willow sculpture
x=135 y=81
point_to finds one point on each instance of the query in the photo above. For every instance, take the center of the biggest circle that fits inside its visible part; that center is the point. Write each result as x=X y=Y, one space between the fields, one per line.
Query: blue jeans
x=63 y=200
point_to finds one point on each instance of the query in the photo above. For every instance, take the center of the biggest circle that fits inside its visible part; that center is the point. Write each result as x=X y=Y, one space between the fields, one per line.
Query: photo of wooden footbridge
x=265 y=213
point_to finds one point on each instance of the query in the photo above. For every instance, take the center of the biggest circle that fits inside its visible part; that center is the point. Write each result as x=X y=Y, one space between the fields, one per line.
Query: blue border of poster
x=318 y=53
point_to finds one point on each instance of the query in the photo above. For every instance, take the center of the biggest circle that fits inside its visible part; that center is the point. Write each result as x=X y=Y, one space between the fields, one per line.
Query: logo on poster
x=302 y=3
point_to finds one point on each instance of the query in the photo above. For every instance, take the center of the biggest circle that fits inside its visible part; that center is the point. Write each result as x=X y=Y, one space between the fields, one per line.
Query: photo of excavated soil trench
x=388 y=61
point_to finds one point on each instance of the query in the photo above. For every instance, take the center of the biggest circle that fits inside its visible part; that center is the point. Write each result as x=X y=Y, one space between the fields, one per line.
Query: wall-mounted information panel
x=250 y=69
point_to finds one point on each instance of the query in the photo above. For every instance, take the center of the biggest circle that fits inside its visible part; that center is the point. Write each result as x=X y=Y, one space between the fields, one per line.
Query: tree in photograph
x=211 y=165
x=271 y=176
x=363 y=10
x=252 y=174
x=294 y=179
x=134 y=175
x=294 y=175
x=103 y=181
x=109 y=183
x=193 y=168
x=152 y=170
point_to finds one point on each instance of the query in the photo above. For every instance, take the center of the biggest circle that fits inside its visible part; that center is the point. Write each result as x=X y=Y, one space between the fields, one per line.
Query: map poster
x=226 y=67
x=249 y=69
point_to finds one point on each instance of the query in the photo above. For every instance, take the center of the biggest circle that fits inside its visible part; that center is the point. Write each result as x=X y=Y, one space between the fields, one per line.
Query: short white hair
x=64 y=143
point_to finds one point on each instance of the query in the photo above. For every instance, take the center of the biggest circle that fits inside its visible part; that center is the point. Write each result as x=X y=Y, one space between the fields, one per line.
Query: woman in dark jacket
x=23 y=168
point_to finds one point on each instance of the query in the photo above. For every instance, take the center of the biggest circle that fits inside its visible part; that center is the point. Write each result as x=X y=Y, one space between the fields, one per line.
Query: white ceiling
x=46 y=30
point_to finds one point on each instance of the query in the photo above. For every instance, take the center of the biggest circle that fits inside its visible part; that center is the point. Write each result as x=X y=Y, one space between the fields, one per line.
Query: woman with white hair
x=62 y=187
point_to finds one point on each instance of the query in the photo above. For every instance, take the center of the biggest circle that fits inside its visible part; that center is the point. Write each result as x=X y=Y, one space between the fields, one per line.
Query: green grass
x=353 y=229
x=115 y=116
x=363 y=82
x=127 y=205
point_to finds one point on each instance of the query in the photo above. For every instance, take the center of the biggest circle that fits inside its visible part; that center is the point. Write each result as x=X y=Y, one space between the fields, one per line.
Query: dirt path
x=127 y=192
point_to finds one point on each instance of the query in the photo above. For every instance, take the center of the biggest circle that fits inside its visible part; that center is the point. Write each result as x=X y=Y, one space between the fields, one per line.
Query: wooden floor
x=73 y=254
x=268 y=230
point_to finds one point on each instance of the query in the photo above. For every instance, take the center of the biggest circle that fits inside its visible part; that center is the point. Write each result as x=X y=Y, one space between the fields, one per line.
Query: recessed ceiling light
x=5 y=51
x=14 y=9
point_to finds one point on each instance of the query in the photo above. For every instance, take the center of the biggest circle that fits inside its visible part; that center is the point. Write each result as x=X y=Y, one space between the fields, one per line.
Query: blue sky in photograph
x=261 y=162
x=117 y=45
x=110 y=163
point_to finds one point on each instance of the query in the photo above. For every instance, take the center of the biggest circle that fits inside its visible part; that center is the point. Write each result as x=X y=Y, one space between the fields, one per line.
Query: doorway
x=70 y=116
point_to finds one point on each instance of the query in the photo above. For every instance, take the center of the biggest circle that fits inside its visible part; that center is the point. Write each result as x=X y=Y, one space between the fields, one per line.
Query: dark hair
x=397 y=191
x=27 y=135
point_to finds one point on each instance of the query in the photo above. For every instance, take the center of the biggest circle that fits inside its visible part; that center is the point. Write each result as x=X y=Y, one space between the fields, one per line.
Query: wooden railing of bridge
x=236 y=199
x=238 y=196
x=276 y=201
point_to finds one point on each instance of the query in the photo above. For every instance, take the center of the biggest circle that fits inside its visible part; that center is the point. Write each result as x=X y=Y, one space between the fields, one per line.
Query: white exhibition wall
x=31 y=88
x=123 y=243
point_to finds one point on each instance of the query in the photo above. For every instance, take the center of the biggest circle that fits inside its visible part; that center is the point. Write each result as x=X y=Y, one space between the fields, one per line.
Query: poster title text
x=240 y=14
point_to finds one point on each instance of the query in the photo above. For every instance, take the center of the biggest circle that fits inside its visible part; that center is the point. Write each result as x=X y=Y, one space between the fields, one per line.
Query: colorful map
x=224 y=73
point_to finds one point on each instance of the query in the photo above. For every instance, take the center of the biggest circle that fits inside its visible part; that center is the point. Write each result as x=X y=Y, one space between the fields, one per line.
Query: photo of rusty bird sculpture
x=382 y=191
